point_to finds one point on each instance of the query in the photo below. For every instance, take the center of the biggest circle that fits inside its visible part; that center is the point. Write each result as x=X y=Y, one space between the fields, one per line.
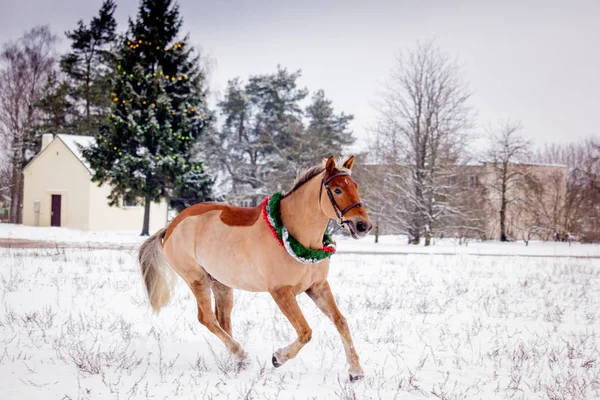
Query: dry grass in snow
x=75 y=324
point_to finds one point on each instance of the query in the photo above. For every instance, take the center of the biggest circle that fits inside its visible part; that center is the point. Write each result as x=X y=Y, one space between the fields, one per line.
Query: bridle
x=339 y=213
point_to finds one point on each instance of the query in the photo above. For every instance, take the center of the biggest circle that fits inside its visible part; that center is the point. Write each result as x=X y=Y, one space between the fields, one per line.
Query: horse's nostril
x=361 y=227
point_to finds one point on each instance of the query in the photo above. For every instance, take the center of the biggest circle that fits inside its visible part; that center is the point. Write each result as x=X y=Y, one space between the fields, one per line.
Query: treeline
x=579 y=214
x=142 y=94
x=422 y=178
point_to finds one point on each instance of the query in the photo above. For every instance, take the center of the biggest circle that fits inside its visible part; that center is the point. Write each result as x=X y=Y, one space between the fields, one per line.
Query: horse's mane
x=305 y=176
x=309 y=173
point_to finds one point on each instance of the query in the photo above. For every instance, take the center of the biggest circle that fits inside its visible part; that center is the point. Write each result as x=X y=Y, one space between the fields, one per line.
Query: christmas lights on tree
x=159 y=112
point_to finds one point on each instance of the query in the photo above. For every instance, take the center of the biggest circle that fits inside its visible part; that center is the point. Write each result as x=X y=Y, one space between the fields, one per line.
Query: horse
x=218 y=247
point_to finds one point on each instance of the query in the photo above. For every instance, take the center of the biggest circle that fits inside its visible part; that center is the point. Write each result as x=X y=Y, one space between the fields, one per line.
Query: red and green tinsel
x=272 y=215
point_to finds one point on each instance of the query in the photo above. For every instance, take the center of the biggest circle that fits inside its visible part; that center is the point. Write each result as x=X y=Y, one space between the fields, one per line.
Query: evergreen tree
x=158 y=114
x=326 y=131
x=278 y=122
x=267 y=137
x=254 y=145
x=55 y=106
x=89 y=66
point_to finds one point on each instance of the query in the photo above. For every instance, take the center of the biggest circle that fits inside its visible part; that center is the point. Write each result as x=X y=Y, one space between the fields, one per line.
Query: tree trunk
x=503 y=202
x=415 y=236
x=14 y=196
x=147 y=202
x=503 y=237
x=87 y=102
x=427 y=239
x=16 y=187
x=377 y=233
x=21 y=197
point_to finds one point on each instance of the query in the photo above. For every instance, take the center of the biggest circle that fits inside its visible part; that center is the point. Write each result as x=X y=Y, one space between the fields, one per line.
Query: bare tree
x=508 y=147
x=24 y=69
x=580 y=214
x=421 y=137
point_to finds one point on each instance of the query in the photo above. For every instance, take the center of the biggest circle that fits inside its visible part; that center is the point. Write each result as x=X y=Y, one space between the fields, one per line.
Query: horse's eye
x=338 y=191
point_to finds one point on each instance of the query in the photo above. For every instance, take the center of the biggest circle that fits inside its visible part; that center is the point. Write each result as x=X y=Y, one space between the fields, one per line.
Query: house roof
x=74 y=143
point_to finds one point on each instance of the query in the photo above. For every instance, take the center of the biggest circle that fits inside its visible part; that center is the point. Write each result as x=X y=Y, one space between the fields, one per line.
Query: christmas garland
x=272 y=215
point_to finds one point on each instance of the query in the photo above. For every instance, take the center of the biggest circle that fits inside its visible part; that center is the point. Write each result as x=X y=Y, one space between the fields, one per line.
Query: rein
x=338 y=211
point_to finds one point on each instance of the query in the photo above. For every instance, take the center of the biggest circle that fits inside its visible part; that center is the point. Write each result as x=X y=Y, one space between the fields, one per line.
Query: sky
x=536 y=62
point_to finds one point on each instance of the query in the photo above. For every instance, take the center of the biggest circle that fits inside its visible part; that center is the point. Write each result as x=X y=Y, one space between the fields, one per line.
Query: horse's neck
x=302 y=216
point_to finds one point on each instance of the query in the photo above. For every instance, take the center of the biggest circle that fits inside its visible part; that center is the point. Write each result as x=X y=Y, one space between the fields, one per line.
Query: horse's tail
x=159 y=277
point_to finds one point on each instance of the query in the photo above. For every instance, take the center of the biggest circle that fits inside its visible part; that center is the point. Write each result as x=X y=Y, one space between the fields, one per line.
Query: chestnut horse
x=218 y=247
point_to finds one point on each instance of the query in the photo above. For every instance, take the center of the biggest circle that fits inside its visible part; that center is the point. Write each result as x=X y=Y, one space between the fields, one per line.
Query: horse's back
x=230 y=215
x=235 y=247
x=216 y=238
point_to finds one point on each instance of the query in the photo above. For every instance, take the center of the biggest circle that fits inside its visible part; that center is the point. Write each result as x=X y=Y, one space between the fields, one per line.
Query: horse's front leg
x=323 y=298
x=286 y=300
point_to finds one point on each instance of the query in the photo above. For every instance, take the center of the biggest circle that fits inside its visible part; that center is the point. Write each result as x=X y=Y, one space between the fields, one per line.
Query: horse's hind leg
x=223 y=304
x=286 y=300
x=201 y=290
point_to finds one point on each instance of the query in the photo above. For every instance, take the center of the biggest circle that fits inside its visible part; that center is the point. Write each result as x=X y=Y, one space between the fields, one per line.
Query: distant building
x=537 y=194
x=58 y=191
x=536 y=209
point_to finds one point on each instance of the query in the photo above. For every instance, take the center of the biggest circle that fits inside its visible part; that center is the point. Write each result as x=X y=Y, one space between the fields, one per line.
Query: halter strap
x=339 y=213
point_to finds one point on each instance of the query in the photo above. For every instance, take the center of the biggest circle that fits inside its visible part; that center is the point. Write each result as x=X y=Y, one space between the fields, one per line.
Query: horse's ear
x=330 y=165
x=349 y=162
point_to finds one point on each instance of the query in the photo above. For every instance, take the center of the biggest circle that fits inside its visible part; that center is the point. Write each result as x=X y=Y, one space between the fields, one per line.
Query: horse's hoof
x=355 y=377
x=240 y=356
x=276 y=363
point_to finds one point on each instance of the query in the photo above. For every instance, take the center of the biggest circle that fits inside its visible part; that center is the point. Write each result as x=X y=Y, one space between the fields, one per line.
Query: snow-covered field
x=74 y=323
x=386 y=245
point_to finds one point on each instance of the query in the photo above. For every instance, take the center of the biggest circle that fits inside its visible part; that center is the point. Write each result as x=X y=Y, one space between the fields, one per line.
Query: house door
x=55 y=215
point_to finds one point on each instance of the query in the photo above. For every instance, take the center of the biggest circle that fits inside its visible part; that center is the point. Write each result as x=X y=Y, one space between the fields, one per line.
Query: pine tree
x=55 y=106
x=261 y=120
x=267 y=136
x=88 y=68
x=158 y=114
x=327 y=132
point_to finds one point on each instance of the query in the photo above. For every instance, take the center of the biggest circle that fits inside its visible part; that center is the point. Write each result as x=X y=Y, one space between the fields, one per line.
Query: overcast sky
x=533 y=61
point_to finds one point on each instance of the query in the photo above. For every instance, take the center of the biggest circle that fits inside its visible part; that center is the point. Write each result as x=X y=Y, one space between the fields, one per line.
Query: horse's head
x=340 y=201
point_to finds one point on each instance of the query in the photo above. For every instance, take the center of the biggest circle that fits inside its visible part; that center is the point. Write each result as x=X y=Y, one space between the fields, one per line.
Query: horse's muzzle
x=359 y=228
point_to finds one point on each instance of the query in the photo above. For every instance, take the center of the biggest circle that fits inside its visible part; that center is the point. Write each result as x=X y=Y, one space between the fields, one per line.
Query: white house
x=59 y=192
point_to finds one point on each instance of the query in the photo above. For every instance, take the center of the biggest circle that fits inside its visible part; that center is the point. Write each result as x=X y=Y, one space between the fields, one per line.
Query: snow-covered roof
x=75 y=143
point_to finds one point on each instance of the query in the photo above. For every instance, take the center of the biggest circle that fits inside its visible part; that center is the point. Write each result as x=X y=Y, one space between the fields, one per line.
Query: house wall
x=119 y=218
x=57 y=171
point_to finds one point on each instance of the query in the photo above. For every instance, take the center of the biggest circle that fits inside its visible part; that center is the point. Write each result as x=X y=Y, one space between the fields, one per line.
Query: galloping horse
x=220 y=247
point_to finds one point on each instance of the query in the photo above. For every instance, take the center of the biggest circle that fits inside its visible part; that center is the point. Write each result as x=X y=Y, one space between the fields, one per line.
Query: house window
x=130 y=200
x=474 y=180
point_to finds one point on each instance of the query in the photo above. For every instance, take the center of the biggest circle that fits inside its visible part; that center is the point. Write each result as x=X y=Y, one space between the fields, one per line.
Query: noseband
x=338 y=211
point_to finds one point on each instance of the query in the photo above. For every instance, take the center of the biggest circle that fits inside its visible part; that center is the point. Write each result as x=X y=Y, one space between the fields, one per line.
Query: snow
x=389 y=244
x=75 y=143
x=482 y=163
x=66 y=235
x=399 y=245
x=74 y=323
